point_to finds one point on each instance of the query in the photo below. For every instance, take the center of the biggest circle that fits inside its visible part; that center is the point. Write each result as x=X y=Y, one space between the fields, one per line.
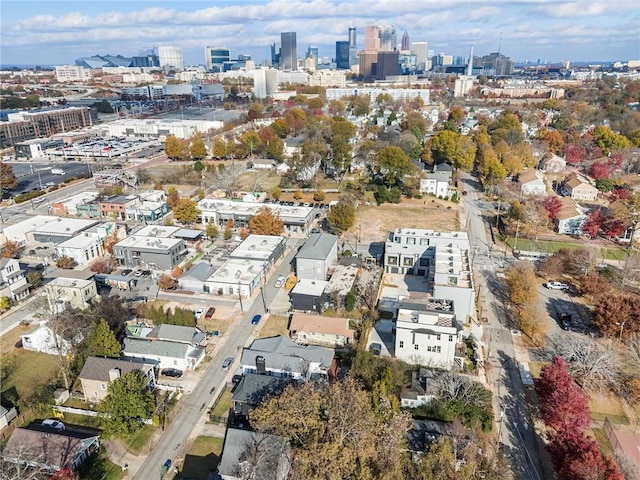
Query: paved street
x=510 y=394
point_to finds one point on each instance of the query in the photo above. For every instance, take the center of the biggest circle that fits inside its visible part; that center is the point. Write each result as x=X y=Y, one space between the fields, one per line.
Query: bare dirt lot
x=374 y=222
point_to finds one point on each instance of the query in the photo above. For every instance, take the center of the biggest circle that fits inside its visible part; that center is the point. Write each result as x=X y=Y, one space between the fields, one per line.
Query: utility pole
x=515 y=244
x=240 y=299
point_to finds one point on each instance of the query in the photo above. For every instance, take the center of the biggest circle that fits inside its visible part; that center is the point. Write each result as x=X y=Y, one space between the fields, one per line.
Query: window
x=401 y=344
x=453 y=281
x=428 y=349
x=392 y=260
x=407 y=262
x=451 y=338
x=103 y=386
x=424 y=262
x=438 y=336
x=424 y=241
x=438 y=349
x=416 y=347
x=411 y=241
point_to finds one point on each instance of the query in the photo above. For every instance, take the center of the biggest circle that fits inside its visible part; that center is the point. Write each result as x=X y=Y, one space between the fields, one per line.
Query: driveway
x=382 y=333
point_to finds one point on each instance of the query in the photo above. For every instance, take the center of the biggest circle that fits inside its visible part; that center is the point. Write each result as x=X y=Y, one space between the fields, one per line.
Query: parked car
x=172 y=372
x=138 y=273
x=53 y=423
x=279 y=282
x=210 y=312
x=256 y=319
x=199 y=312
x=565 y=321
x=556 y=286
x=227 y=363
x=126 y=272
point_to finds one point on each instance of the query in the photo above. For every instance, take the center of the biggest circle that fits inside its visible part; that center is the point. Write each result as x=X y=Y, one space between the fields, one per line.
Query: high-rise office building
x=170 y=57
x=342 y=55
x=388 y=38
x=312 y=52
x=420 y=49
x=388 y=64
x=275 y=54
x=288 y=51
x=215 y=58
x=405 y=42
x=353 y=47
x=371 y=38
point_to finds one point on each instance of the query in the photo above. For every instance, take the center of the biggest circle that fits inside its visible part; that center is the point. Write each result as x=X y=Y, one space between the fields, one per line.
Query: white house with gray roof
x=98 y=372
x=282 y=357
x=318 y=254
x=167 y=346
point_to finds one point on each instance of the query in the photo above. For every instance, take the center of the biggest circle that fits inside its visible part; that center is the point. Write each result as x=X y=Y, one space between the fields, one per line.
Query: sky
x=56 y=32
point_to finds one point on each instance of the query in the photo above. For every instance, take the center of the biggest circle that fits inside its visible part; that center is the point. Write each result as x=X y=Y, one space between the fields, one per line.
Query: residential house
x=314 y=329
x=99 y=372
x=254 y=389
x=570 y=217
x=46 y=448
x=248 y=454
x=71 y=292
x=422 y=389
x=6 y=415
x=318 y=254
x=13 y=283
x=579 y=187
x=281 y=357
x=342 y=280
x=551 y=163
x=263 y=163
x=166 y=346
x=531 y=182
x=308 y=295
x=44 y=340
x=426 y=333
x=438 y=182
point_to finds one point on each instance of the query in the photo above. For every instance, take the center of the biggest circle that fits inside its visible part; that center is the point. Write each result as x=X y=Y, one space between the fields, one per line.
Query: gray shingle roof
x=97 y=368
x=283 y=353
x=161 y=348
x=200 y=271
x=253 y=388
x=177 y=333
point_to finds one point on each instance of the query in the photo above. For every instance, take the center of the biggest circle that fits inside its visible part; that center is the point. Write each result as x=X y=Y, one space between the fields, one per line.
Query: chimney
x=114 y=373
x=470 y=64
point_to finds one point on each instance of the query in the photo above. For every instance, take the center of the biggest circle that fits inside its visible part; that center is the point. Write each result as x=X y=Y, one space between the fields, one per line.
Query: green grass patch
x=25 y=372
x=203 y=458
x=83 y=420
x=274 y=325
x=223 y=405
x=552 y=246
x=140 y=439
x=101 y=468
x=615 y=419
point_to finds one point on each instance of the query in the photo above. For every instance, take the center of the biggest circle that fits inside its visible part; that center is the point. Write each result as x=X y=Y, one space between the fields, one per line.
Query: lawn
x=552 y=246
x=203 y=458
x=274 y=325
x=607 y=406
x=26 y=371
x=535 y=368
x=262 y=181
x=223 y=405
x=140 y=440
x=101 y=468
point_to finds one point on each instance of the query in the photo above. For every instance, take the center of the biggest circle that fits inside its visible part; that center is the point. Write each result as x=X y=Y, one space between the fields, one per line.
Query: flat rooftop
x=160 y=243
x=156 y=231
x=237 y=270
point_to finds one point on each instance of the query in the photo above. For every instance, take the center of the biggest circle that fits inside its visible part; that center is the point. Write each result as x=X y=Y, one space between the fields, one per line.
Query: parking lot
x=566 y=312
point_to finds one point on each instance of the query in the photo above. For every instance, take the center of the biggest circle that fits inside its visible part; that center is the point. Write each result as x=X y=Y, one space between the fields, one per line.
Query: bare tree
x=451 y=386
x=592 y=364
x=262 y=454
x=228 y=178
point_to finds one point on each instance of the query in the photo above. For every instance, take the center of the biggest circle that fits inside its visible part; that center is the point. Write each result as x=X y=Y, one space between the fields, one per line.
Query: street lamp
x=502 y=412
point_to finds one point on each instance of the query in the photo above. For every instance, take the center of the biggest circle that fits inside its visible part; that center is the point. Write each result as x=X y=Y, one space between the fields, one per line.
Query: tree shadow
x=198 y=467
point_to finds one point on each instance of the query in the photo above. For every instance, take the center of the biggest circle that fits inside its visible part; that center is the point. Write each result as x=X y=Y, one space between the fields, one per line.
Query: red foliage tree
x=552 y=205
x=591 y=225
x=574 y=153
x=620 y=193
x=562 y=404
x=580 y=459
x=595 y=152
x=612 y=227
x=615 y=161
x=600 y=170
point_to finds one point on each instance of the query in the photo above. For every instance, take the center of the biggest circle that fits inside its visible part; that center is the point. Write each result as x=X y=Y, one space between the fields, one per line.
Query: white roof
x=309 y=287
x=80 y=241
x=149 y=242
x=79 y=198
x=69 y=282
x=257 y=246
x=156 y=231
x=237 y=270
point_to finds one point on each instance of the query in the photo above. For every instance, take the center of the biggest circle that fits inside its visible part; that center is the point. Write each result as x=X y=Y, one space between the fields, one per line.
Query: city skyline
x=47 y=33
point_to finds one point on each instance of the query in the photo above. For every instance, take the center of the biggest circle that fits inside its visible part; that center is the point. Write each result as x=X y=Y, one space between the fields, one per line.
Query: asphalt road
x=33 y=176
x=516 y=436
x=174 y=442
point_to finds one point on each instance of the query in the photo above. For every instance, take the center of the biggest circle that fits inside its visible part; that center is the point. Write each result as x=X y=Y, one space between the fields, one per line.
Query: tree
x=166 y=282
x=197 y=149
x=563 y=405
x=591 y=225
x=8 y=180
x=219 y=149
x=5 y=303
x=276 y=193
x=341 y=217
x=172 y=196
x=579 y=458
x=617 y=315
x=176 y=148
x=593 y=365
x=521 y=281
x=440 y=148
x=600 y=170
x=128 y=402
x=574 y=153
x=360 y=105
x=553 y=138
x=264 y=222
x=65 y=262
x=10 y=249
x=609 y=141
x=415 y=123
x=102 y=341
x=250 y=141
x=212 y=230
x=490 y=168
x=35 y=279
x=186 y=211
x=612 y=227
x=507 y=127
x=99 y=266
x=552 y=205
x=319 y=196
x=605 y=185
x=393 y=164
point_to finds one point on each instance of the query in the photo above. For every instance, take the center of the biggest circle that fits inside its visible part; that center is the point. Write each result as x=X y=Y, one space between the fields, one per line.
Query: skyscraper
x=405 y=42
x=170 y=57
x=275 y=54
x=388 y=38
x=288 y=51
x=371 y=39
x=215 y=58
x=420 y=49
x=312 y=51
x=342 y=55
x=353 y=47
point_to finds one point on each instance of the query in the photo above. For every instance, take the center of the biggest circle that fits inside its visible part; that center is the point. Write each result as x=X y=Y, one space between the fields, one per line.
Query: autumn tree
x=176 y=148
x=506 y=127
x=166 y=282
x=563 y=405
x=211 y=230
x=10 y=249
x=591 y=225
x=393 y=165
x=341 y=217
x=99 y=266
x=172 y=196
x=553 y=139
x=265 y=222
x=579 y=458
x=318 y=196
x=65 y=262
x=609 y=141
x=8 y=179
x=617 y=315
x=197 y=148
x=128 y=401
x=219 y=148
x=552 y=205
x=521 y=281
x=186 y=211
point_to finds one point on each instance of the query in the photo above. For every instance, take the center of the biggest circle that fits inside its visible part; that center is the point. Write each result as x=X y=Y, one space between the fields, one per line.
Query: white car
x=556 y=286
x=279 y=282
x=199 y=312
x=53 y=423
